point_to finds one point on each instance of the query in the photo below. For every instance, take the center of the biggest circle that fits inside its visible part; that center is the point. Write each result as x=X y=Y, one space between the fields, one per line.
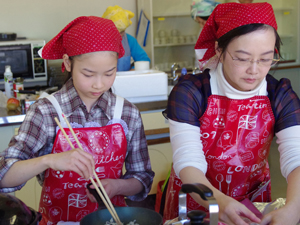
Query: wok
x=143 y=216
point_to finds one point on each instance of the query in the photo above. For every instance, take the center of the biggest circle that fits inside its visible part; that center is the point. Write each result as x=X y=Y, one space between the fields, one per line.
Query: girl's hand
x=232 y=211
x=74 y=160
x=110 y=186
x=281 y=216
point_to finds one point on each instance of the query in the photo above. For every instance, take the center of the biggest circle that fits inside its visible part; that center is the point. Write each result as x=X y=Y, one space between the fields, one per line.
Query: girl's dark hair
x=224 y=40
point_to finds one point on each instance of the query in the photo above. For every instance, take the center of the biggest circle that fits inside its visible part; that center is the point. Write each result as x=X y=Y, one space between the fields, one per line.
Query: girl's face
x=257 y=45
x=93 y=74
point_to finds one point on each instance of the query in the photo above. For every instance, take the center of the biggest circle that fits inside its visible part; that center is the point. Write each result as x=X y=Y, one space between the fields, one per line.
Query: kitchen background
x=40 y=19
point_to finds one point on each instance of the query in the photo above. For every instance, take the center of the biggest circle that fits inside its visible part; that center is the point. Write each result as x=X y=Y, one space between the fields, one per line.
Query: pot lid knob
x=196 y=217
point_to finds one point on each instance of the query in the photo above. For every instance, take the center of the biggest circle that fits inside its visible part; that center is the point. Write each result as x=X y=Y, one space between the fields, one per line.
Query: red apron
x=236 y=138
x=63 y=194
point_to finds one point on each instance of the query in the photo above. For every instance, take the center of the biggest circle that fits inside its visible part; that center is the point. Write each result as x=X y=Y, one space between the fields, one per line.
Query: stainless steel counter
x=9 y=118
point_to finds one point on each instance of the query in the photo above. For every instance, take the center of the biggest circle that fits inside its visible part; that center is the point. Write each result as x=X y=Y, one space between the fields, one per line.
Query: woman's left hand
x=284 y=215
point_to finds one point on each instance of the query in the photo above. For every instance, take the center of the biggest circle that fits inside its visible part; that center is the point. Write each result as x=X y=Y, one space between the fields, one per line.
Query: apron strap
x=55 y=103
x=118 y=107
x=117 y=112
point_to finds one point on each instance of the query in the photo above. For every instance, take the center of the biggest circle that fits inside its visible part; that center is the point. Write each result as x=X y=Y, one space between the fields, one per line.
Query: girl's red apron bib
x=236 y=138
x=63 y=195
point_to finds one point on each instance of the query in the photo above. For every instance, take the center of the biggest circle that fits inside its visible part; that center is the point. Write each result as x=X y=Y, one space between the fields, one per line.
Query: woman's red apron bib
x=63 y=195
x=236 y=138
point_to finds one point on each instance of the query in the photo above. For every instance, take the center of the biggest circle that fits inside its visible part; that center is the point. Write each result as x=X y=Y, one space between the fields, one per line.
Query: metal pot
x=142 y=216
x=196 y=217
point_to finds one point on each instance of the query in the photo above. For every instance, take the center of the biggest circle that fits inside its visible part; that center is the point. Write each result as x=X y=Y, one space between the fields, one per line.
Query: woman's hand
x=232 y=211
x=74 y=160
x=285 y=215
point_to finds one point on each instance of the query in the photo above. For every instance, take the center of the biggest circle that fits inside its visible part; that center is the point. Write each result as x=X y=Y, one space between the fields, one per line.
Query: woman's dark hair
x=204 y=17
x=224 y=40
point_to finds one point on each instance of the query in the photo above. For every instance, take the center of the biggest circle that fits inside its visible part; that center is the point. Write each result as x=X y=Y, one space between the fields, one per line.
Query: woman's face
x=200 y=21
x=93 y=74
x=254 y=46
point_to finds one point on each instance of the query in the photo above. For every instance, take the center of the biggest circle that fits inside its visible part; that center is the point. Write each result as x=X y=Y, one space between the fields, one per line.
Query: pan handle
x=200 y=189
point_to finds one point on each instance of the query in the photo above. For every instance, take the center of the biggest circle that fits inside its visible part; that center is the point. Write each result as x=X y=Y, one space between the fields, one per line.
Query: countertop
x=9 y=118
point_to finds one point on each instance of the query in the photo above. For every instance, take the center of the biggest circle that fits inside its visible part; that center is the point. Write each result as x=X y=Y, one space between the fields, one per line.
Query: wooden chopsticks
x=104 y=198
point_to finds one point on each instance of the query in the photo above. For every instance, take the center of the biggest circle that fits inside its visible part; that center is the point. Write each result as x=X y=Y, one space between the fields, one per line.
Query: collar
x=219 y=86
x=71 y=101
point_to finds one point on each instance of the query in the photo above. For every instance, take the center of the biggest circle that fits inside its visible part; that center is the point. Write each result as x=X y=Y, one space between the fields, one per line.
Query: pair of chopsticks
x=104 y=198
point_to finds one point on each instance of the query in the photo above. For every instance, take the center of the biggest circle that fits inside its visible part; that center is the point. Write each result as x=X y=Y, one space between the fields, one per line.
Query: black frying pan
x=143 y=216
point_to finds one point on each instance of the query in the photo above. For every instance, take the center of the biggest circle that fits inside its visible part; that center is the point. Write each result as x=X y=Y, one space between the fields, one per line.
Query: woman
x=109 y=128
x=200 y=12
x=222 y=121
x=122 y=20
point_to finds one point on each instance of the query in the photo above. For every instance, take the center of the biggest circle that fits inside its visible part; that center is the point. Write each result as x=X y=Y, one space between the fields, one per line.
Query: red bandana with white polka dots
x=83 y=35
x=228 y=16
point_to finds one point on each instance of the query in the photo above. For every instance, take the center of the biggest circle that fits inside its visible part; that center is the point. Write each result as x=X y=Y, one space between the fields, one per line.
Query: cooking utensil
x=105 y=199
x=197 y=217
x=143 y=216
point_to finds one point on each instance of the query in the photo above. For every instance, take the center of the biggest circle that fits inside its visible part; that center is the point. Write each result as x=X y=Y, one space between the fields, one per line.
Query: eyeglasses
x=247 y=62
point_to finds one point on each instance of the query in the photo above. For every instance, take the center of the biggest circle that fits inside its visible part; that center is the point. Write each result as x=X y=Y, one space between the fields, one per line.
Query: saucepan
x=141 y=215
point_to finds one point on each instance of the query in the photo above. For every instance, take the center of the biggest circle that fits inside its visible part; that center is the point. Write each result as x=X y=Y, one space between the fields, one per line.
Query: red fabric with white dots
x=83 y=35
x=228 y=16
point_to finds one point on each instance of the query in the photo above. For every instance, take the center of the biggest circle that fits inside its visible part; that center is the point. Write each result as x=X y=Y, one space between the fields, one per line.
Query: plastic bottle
x=183 y=71
x=8 y=80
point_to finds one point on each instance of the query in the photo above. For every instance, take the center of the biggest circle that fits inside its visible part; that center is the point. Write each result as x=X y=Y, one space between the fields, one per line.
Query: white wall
x=41 y=19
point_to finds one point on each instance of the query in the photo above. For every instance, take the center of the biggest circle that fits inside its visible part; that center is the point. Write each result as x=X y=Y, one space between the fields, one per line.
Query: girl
x=222 y=121
x=112 y=134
